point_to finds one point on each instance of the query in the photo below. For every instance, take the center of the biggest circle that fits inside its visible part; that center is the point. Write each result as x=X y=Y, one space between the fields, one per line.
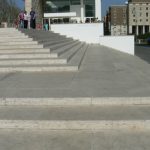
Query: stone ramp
x=53 y=53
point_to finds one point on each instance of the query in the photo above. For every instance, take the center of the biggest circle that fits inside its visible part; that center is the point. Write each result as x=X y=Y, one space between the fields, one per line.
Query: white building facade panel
x=83 y=8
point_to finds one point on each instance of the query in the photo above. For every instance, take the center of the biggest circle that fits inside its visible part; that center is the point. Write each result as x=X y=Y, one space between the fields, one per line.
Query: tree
x=8 y=11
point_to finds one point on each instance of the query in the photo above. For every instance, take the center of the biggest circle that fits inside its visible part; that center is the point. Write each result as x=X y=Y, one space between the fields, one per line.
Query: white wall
x=57 y=15
x=121 y=43
x=98 y=9
x=84 y=32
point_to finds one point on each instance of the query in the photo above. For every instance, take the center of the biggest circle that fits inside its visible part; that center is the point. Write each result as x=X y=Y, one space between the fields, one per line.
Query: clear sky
x=105 y=4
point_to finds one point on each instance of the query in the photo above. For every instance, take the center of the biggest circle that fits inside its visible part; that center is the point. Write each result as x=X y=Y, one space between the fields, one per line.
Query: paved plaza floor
x=104 y=73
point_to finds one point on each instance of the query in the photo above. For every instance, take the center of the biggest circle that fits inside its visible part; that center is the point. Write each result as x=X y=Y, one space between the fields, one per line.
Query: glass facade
x=89 y=8
x=58 y=6
x=75 y=2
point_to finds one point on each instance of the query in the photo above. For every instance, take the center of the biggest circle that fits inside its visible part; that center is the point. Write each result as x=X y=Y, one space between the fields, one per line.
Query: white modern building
x=78 y=10
x=70 y=17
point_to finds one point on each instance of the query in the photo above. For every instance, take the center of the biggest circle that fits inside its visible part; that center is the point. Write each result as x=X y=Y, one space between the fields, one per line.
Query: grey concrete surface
x=74 y=140
x=103 y=73
x=70 y=113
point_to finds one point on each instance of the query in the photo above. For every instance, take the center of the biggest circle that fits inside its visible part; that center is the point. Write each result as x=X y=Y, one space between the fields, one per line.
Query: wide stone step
x=18 y=43
x=24 y=51
x=9 y=32
x=79 y=118
x=60 y=45
x=40 y=36
x=70 y=53
x=74 y=140
x=44 y=35
x=78 y=58
x=49 y=39
x=41 y=33
x=6 y=29
x=76 y=113
x=15 y=39
x=54 y=42
x=18 y=62
x=20 y=46
x=27 y=56
x=65 y=48
x=39 y=68
x=14 y=35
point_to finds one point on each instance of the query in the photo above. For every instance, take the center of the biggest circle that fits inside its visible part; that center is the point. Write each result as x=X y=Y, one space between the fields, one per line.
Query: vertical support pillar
x=137 y=30
x=28 y=5
x=130 y=30
x=82 y=11
x=49 y=21
x=98 y=7
x=143 y=29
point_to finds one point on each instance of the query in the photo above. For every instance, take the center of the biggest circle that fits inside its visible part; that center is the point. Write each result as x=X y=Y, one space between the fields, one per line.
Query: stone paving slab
x=103 y=73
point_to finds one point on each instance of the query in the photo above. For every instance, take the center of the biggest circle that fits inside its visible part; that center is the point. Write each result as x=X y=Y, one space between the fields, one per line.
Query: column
x=130 y=30
x=28 y=5
x=137 y=30
x=98 y=7
x=49 y=21
x=143 y=29
x=82 y=11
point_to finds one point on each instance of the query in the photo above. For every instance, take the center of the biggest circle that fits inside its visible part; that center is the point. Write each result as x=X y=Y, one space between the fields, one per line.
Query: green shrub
x=144 y=36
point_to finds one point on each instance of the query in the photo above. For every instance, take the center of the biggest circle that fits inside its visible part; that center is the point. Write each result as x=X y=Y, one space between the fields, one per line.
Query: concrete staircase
x=85 y=122
x=39 y=51
x=63 y=123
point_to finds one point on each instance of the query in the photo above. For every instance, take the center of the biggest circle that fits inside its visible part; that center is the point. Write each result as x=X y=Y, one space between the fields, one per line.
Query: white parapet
x=53 y=15
x=121 y=43
x=88 y=33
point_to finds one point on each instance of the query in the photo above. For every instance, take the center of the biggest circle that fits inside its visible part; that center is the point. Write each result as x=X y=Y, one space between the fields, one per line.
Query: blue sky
x=105 y=4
